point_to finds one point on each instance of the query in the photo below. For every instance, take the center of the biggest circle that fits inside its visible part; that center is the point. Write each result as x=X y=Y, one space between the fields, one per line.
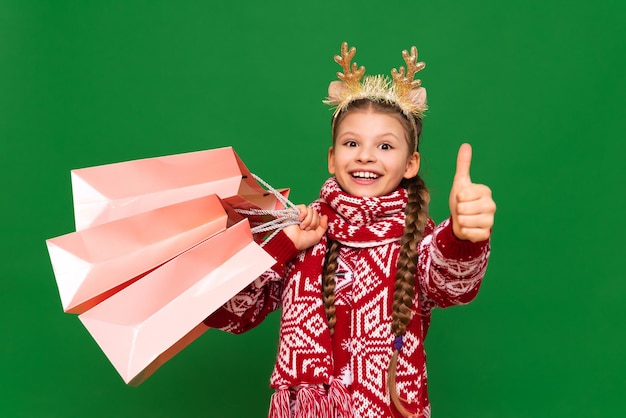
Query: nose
x=366 y=155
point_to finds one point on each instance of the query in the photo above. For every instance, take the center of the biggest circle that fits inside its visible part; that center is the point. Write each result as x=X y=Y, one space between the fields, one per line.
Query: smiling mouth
x=365 y=175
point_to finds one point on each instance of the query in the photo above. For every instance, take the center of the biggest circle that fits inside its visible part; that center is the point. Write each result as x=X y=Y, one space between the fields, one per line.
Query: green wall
x=538 y=88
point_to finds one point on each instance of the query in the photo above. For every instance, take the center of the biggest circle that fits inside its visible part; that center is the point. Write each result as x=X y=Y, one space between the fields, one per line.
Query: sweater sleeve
x=450 y=270
x=250 y=306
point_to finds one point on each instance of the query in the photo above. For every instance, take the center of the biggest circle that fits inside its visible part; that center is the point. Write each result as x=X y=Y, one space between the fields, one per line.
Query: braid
x=404 y=288
x=328 y=283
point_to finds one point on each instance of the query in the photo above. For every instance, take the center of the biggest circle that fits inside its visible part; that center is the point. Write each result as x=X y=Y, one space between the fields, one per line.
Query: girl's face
x=371 y=154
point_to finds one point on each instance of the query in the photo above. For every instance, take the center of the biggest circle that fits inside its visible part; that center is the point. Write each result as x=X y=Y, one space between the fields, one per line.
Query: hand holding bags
x=158 y=249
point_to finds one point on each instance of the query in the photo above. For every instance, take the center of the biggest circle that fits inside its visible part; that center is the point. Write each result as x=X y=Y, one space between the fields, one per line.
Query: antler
x=350 y=76
x=406 y=83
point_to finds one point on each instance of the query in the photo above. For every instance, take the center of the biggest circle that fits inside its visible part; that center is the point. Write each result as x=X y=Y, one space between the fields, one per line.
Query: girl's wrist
x=281 y=248
x=453 y=247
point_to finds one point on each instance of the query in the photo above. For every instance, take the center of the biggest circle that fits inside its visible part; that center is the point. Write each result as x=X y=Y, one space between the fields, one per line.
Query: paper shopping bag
x=94 y=263
x=113 y=191
x=153 y=319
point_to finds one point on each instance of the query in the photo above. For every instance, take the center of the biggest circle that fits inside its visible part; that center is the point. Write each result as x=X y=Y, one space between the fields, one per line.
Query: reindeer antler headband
x=402 y=91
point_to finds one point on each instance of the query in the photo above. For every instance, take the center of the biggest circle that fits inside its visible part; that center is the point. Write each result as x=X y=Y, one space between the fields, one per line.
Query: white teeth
x=364 y=175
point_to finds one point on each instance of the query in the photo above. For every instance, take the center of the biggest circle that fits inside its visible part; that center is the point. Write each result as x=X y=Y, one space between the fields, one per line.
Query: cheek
x=337 y=161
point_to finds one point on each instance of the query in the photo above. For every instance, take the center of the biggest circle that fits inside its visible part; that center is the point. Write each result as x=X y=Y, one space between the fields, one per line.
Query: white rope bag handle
x=282 y=217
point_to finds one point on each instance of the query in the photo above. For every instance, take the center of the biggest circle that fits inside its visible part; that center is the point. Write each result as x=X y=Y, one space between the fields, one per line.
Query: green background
x=538 y=88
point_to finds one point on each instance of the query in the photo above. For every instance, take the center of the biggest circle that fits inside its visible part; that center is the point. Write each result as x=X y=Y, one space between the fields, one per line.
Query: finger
x=323 y=226
x=324 y=222
x=475 y=234
x=476 y=207
x=315 y=220
x=473 y=192
x=463 y=163
x=310 y=221
x=305 y=216
x=303 y=211
x=483 y=221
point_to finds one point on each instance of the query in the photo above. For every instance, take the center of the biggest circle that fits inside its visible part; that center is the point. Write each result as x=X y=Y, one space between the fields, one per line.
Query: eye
x=350 y=143
x=385 y=146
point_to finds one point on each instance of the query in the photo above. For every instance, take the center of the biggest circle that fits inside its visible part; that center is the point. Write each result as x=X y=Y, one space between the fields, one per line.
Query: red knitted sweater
x=345 y=376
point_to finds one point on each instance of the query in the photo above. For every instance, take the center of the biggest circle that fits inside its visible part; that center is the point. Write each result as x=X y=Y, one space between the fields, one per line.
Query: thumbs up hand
x=471 y=206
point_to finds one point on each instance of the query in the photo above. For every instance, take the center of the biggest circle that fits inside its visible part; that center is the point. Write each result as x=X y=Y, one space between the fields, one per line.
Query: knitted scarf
x=308 y=361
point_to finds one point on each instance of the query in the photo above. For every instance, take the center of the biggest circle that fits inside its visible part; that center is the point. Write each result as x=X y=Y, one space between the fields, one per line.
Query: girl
x=358 y=278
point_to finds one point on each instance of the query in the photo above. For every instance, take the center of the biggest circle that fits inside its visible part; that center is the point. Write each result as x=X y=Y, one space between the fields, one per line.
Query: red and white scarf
x=309 y=361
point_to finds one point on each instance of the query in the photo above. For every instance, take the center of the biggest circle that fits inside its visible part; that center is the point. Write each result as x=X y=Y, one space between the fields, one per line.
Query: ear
x=412 y=165
x=331 y=160
x=335 y=91
x=418 y=96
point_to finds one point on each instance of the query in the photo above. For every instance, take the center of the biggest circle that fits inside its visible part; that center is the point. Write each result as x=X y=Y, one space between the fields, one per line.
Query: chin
x=364 y=193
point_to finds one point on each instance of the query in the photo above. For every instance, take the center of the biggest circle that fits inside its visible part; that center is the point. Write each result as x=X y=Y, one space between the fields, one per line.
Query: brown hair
x=416 y=219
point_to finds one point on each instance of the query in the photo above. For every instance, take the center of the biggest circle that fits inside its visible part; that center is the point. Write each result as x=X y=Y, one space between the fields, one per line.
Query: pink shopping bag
x=113 y=191
x=147 y=323
x=161 y=244
x=94 y=263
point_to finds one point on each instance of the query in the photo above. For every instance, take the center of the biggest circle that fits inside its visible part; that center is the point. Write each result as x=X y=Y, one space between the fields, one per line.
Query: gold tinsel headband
x=402 y=90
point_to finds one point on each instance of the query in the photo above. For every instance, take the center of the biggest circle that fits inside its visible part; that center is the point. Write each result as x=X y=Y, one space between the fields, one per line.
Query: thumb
x=463 y=162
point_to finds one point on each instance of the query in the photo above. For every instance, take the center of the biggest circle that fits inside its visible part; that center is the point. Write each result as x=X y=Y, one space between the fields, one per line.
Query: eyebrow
x=387 y=134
